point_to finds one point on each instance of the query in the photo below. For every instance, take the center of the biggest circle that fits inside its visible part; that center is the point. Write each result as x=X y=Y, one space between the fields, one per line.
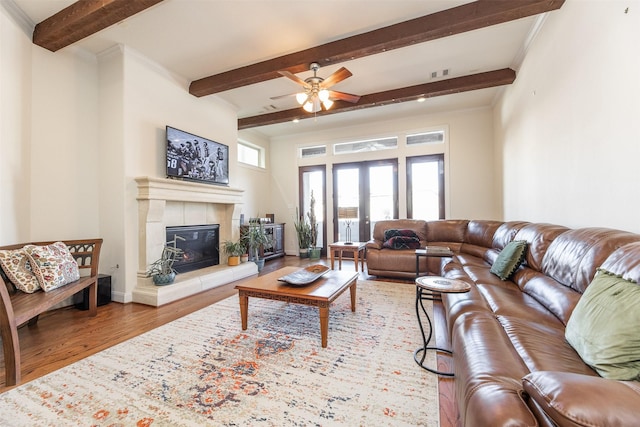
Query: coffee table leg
x=352 y=290
x=333 y=255
x=244 y=306
x=324 y=323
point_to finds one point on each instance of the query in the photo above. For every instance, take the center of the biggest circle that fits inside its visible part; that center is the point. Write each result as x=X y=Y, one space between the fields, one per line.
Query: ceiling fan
x=316 y=93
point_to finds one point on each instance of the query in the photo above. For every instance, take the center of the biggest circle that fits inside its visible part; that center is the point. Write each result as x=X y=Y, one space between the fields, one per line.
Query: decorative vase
x=314 y=253
x=233 y=260
x=259 y=263
x=163 y=279
x=244 y=258
x=304 y=253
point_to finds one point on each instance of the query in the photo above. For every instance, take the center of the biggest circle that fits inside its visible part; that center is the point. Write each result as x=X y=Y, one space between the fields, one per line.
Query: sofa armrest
x=374 y=244
x=580 y=400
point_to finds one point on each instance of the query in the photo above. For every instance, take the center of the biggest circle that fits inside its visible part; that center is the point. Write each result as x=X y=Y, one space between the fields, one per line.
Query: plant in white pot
x=161 y=271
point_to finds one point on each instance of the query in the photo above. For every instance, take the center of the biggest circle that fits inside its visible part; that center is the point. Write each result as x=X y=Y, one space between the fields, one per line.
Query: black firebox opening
x=200 y=246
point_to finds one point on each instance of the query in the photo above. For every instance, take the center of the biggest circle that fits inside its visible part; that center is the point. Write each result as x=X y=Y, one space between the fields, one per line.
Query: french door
x=363 y=193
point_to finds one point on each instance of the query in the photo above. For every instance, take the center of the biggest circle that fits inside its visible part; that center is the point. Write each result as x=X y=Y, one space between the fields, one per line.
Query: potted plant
x=303 y=230
x=314 y=251
x=233 y=250
x=255 y=237
x=161 y=271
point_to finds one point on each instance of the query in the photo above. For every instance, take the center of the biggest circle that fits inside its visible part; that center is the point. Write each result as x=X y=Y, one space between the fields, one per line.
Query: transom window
x=250 y=154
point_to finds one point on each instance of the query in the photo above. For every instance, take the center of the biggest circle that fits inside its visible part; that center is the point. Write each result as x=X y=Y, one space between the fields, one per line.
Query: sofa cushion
x=603 y=327
x=509 y=259
x=571 y=399
x=16 y=266
x=402 y=242
x=53 y=265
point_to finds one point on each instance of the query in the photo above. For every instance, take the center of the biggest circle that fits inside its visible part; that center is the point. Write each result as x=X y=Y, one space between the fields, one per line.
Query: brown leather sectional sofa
x=512 y=363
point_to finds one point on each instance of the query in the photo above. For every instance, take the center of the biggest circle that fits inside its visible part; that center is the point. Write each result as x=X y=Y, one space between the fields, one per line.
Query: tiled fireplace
x=165 y=203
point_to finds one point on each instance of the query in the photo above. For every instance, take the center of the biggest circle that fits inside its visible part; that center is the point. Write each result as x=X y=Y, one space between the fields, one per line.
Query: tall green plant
x=303 y=230
x=312 y=221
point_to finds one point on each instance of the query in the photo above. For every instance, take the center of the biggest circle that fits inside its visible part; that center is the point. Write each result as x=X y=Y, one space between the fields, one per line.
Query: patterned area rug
x=203 y=369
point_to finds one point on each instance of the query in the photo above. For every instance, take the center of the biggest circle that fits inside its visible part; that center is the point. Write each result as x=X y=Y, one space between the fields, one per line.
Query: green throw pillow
x=604 y=327
x=509 y=259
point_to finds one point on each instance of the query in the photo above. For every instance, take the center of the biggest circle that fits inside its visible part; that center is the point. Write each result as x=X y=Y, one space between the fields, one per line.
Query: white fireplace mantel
x=168 y=202
x=186 y=191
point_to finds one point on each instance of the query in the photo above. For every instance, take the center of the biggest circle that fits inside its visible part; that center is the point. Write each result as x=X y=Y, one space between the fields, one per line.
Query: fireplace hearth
x=200 y=244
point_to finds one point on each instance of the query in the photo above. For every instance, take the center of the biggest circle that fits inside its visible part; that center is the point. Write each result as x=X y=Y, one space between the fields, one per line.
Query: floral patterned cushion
x=53 y=265
x=16 y=266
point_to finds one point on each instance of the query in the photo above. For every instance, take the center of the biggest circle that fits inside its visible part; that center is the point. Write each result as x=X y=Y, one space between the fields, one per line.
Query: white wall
x=15 y=130
x=257 y=181
x=469 y=163
x=568 y=129
x=64 y=145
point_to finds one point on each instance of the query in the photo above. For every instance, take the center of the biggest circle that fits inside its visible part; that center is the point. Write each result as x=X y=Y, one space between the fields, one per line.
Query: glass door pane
x=364 y=193
x=382 y=194
x=425 y=187
x=348 y=204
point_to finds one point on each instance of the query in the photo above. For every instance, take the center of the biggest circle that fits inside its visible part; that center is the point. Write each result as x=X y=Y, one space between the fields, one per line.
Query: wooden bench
x=19 y=307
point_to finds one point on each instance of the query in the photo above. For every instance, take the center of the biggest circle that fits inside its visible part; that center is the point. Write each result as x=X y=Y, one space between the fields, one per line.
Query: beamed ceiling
x=396 y=52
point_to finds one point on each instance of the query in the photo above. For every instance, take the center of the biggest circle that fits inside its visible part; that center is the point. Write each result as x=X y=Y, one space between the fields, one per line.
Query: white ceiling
x=198 y=38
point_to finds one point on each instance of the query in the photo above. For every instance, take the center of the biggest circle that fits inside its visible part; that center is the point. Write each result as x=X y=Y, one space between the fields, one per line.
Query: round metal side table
x=431 y=288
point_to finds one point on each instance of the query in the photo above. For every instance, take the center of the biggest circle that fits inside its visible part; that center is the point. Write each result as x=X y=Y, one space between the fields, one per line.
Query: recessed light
x=421 y=99
x=295 y=120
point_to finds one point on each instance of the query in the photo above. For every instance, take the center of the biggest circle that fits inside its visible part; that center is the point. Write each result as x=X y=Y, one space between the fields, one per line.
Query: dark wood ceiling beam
x=467 y=17
x=83 y=18
x=489 y=79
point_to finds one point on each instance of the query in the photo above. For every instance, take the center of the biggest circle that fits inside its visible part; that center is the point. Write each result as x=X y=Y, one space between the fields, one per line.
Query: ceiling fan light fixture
x=323 y=95
x=308 y=107
x=301 y=97
x=327 y=104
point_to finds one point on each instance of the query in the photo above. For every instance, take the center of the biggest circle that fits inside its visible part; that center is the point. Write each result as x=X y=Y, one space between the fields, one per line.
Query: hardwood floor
x=67 y=335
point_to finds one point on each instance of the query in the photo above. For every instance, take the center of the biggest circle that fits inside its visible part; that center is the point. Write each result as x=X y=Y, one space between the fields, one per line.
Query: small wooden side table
x=354 y=247
x=431 y=288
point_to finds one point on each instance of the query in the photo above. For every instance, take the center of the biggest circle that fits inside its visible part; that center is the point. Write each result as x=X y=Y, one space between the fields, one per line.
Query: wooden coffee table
x=321 y=293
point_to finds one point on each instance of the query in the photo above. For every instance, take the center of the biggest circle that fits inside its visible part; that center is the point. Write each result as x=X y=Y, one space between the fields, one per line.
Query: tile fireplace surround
x=166 y=202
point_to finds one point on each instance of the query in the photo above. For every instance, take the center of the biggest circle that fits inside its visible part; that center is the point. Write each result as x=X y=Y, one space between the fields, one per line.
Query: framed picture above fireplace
x=195 y=158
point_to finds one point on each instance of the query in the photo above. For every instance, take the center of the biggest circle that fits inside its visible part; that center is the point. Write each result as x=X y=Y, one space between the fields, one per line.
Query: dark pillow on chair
x=402 y=242
x=392 y=232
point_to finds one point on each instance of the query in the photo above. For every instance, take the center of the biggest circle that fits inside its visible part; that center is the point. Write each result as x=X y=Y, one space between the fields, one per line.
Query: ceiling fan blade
x=293 y=77
x=336 y=77
x=342 y=96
